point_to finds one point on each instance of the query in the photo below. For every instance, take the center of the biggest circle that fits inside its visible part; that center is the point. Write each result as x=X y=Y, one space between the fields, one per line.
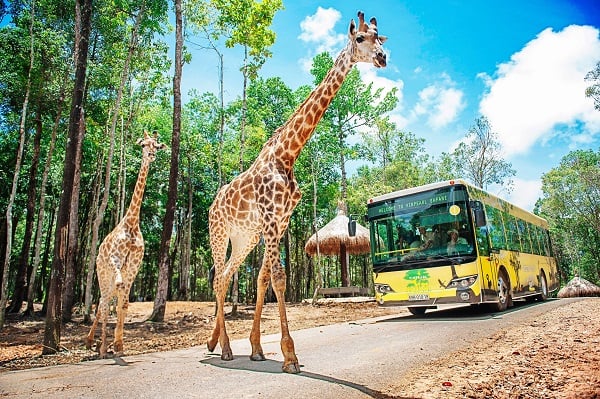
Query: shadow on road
x=273 y=366
x=461 y=314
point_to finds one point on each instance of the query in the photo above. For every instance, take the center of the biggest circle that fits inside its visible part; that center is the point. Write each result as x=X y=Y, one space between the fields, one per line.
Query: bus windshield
x=425 y=229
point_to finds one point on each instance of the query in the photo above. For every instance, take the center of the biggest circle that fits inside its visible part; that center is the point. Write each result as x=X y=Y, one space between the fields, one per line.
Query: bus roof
x=418 y=189
x=446 y=183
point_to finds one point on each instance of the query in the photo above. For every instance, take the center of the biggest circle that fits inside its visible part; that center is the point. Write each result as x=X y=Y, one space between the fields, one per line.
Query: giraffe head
x=366 y=42
x=150 y=145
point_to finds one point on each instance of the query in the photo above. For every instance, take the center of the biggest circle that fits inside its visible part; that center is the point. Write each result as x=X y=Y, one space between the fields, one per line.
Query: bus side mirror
x=351 y=226
x=478 y=213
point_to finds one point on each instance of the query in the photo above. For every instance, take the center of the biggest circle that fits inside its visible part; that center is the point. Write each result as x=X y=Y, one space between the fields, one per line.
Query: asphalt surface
x=350 y=360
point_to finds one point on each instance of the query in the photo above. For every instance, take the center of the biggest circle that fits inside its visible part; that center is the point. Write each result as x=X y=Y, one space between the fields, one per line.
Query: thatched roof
x=579 y=287
x=334 y=234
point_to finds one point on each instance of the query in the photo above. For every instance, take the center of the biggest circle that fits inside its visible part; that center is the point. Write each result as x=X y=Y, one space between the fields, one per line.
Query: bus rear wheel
x=504 y=297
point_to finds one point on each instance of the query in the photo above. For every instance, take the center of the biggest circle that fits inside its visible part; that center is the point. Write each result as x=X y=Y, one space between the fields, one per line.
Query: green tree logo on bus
x=418 y=280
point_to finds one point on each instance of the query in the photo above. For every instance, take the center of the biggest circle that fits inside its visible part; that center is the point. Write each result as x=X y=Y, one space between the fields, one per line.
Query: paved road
x=351 y=360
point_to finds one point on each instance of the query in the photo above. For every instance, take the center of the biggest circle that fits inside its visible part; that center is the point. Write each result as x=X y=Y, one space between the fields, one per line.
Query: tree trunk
x=51 y=343
x=185 y=262
x=13 y=193
x=160 y=302
x=71 y=264
x=24 y=269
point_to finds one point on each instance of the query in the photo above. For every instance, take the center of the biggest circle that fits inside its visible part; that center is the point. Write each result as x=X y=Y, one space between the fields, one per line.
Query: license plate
x=418 y=297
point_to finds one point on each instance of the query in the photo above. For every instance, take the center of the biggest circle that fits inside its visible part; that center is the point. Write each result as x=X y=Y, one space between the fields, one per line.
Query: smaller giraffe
x=120 y=255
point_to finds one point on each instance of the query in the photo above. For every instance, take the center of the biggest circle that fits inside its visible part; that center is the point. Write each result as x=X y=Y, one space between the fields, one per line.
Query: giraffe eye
x=360 y=39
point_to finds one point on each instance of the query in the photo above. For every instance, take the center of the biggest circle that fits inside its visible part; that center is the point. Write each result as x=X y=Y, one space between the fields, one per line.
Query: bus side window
x=496 y=227
x=483 y=243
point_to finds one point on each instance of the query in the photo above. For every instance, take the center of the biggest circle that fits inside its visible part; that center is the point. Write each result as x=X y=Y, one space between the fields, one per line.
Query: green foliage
x=571 y=204
x=593 y=91
x=247 y=23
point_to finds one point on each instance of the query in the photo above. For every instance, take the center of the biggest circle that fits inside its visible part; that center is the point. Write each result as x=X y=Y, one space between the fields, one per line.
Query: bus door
x=488 y=261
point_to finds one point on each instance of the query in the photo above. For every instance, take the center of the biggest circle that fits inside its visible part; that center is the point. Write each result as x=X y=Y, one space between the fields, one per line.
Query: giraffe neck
x=133 y=212
x=301 y=125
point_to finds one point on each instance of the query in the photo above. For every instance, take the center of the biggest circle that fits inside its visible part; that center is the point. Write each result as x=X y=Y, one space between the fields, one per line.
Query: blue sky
x=519 y=63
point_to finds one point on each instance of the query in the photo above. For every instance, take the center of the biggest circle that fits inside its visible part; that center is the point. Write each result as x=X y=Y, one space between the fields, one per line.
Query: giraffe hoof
x=227 y=356
x=291 y=368
x=211 y=348
x=258 y=357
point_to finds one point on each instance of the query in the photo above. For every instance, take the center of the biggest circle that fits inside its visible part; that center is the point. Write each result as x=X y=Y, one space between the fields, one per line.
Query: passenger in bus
x=426 y=238
x=454 y=240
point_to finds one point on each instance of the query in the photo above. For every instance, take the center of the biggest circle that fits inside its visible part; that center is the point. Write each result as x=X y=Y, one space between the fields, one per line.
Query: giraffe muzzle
x=380 y=60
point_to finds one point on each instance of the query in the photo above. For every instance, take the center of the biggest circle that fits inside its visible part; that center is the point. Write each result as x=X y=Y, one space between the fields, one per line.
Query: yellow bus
x=452 y=243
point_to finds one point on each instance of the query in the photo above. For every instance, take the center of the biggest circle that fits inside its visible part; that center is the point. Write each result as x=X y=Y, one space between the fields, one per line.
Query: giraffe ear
x=139 y=141
x=352 y=29
x=382 y=39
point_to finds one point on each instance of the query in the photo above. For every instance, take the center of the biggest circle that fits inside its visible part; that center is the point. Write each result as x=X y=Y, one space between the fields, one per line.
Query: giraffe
x=121 y=253
x=260 y=200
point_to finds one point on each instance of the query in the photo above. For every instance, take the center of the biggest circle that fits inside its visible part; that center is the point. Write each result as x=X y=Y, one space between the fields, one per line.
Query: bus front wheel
x=417 y=311
x=504 y=297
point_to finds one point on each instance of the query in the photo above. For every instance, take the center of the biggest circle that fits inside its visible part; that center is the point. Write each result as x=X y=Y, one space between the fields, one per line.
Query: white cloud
x=541 y=90
x=440 y=103
x=318 y=29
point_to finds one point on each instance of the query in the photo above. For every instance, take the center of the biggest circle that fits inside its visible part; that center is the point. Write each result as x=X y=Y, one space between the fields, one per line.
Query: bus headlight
x=463 y=282
x=383 y=288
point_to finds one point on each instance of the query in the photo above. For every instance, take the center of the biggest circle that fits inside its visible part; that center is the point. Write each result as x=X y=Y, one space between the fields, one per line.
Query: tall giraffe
x=120 y=255
x=260 y=200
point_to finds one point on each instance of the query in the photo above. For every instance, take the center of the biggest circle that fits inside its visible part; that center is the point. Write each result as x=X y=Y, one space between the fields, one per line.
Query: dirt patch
x=555 y=356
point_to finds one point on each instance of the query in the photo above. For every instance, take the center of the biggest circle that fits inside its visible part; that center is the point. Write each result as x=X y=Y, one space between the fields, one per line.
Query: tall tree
x=52 y=333
x=479 y=159
x=13 y=193
x=356 y=106
x=42 y=204
x=571 y=204
x=162 y=289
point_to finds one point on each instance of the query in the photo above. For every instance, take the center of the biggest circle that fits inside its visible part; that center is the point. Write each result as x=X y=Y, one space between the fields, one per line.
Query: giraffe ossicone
x=120 y=255
x=260 y=200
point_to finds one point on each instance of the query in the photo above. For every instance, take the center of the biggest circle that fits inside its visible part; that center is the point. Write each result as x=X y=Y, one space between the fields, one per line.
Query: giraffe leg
x=262 y=283
x=241 y=245
x=278 y=280
x=122 y=306
x=91 y=335
x=218 y=243
x=219 y=333
x=103 y=315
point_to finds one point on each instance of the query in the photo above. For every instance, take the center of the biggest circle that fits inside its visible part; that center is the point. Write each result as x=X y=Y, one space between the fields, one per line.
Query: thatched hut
x=333 y=239
x=579 y=287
